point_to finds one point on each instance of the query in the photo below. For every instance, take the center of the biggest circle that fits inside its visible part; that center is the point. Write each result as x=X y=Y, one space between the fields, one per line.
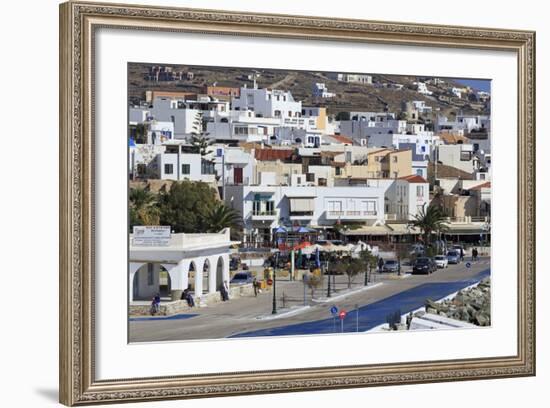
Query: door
x=238 y=175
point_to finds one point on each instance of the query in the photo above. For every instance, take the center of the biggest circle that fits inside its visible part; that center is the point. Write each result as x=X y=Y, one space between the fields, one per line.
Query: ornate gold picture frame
x=78 y=24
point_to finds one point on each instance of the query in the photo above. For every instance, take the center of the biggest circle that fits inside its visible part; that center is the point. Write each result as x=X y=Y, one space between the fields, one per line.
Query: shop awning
x=402 y=229
x=369 y=230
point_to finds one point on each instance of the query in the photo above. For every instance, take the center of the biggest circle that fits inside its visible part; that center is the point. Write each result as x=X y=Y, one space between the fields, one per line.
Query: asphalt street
x=240 y=317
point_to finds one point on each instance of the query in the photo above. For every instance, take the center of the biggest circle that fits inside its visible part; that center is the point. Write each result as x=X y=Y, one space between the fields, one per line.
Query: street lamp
x=328 y=277
x=274 y=309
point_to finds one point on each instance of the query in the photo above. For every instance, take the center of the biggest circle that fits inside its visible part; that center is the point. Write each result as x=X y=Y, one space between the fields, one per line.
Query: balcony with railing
x=263 y=215
x=351 y=214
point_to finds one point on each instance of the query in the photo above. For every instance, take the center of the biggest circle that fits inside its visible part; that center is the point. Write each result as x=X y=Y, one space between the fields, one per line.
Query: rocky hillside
x=378 y=96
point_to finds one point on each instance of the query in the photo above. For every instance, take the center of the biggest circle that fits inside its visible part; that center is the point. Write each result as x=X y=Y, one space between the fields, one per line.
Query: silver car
x=453 y=257
x=391 y=265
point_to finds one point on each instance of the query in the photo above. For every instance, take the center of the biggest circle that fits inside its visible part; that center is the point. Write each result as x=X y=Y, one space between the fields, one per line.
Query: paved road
x=238 y=318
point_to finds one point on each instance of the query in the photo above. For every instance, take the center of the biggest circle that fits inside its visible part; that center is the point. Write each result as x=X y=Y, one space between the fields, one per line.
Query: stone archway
x=150 y=279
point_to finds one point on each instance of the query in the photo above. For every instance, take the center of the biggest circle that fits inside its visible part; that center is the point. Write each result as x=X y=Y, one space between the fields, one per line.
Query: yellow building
x=389 y=163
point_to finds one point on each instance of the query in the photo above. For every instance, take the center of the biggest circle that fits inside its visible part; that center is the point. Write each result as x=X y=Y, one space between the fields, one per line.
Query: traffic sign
x=342 y=315
x=468 y=264
x=334 y=310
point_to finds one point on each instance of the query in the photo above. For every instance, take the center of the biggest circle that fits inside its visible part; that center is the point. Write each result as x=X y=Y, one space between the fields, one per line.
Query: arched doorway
x=150 y=279
x=219 y=273
x=205 y=276
x=191 y=276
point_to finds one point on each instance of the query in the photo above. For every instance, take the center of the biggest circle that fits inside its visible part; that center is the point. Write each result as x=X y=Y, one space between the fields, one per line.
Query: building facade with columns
x=199 y=262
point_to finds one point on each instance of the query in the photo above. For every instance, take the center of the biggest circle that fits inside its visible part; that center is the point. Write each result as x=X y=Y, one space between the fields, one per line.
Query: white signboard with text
x=151 y=235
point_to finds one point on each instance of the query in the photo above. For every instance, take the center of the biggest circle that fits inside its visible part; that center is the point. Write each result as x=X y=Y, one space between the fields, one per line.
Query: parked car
x=441 y=261
x=241 y=278
x=453 y=257
x=424 y=265
x=390 y=265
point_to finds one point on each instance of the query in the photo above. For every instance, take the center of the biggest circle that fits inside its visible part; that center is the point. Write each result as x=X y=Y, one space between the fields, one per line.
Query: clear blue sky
x=479 y=84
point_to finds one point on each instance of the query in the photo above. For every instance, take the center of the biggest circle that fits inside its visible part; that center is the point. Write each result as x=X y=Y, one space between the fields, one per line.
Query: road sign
x=270 y=282
x=334 y=310
x=468 y=264
x=342 y=315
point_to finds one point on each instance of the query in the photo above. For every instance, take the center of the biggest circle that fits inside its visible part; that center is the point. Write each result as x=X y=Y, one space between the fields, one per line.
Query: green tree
x=429 y=220
x=368 y=263
x=342 y=116
x=187 y=206
x=351 y=267
x=198 y=136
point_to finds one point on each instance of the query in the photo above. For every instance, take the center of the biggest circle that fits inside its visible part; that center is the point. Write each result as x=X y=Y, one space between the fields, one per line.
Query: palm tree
x=428 y=220
x=143 y=207
x=221 y=216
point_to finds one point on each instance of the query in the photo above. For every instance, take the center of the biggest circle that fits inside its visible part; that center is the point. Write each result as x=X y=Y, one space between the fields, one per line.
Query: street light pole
x=274 y=309
x=328 y=278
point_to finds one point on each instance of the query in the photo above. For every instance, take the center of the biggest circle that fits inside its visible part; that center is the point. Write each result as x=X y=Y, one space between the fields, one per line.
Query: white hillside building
x=267 y=103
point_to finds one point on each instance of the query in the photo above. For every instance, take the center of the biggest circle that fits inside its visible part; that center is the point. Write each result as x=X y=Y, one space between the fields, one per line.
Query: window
x=338 y=171
x=277 y=113
x=298 y=180
x=419 y=191
x=482 y=176
x=207 y=167
x=348 y=157
x=185 y=169
x=334 y=206
x=256 y=207
x=310 y=177
x=395 y=174
x=394 y=159
x=150 y=274
x=465 y=155
x=168 y=169
x=289 y=114
x=419 y=172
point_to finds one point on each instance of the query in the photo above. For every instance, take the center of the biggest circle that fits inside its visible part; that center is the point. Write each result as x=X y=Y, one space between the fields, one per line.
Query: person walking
x=474 y=254
x=380 y=264
x=224 y=291
x=255 y=286
x=461 y=254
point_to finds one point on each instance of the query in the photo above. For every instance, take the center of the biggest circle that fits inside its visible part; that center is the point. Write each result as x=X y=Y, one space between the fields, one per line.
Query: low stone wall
x=180 y=306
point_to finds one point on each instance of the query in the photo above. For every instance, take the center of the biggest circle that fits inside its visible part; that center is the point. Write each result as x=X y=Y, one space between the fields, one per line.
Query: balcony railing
x=230 y=181
x=264 y=213
x=351 y=213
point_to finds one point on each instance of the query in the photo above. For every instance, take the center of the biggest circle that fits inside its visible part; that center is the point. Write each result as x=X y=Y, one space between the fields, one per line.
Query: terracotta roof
x=273 y=154
x=413 y=178
x=487 y=184
x=342 y=139
x=450 y=138
x=444 y=171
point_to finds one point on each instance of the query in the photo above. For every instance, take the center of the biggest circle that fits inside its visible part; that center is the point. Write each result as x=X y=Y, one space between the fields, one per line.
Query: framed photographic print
x=256 y=203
